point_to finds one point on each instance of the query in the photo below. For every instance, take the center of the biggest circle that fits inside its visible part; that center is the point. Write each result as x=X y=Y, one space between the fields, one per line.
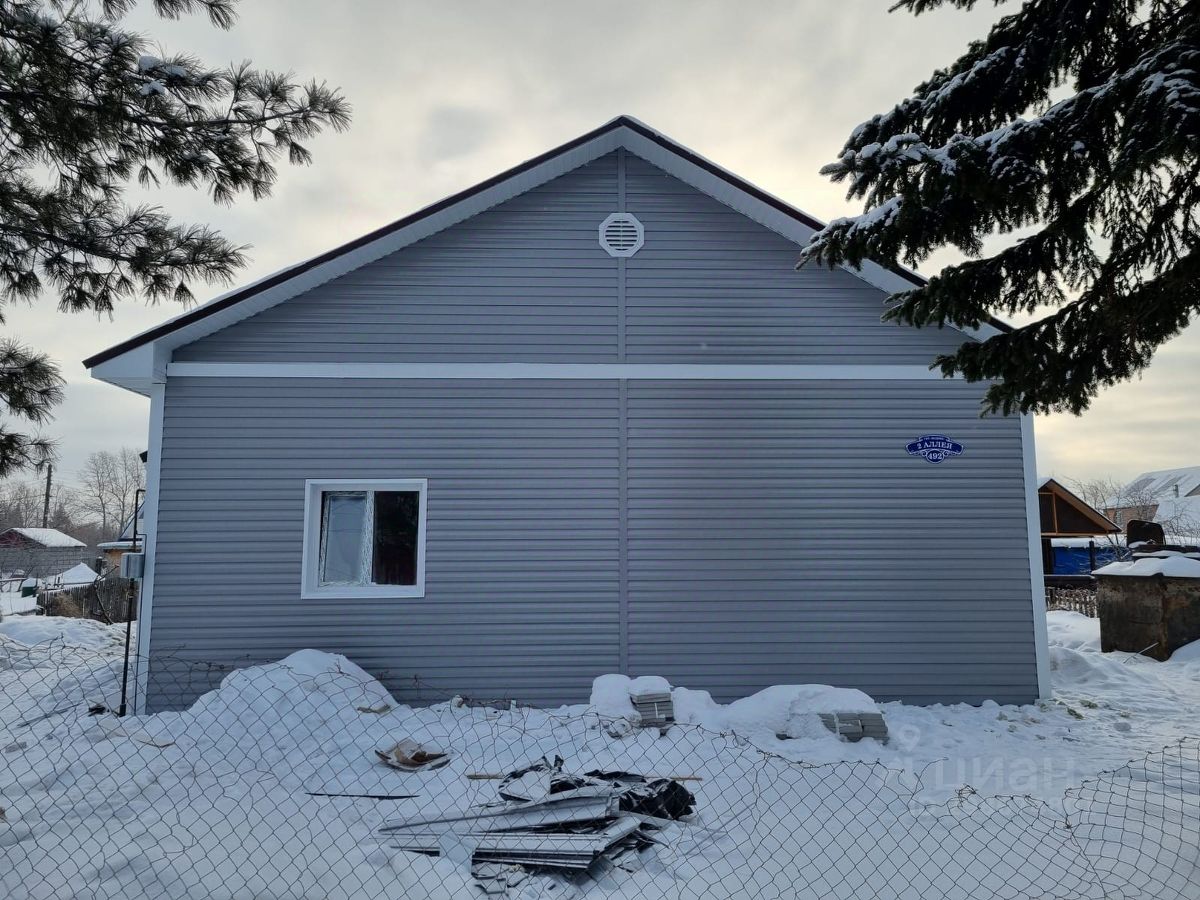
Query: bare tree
x=108 y=483
x=20 y=504
x=131 y=478
x=94 y=492
x=21 y=507
x=1122 y=501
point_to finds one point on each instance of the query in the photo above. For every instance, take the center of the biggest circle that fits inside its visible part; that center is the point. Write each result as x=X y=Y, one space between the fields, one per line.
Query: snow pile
x=213 y=801
x=611 y=694
x=81 y=633
x=791 y=709
x=217 y=800
x=12 y=603
x=610 y=697
x=1190 y=654
x=1073 y=630
x=781 y=709
x=1107 y=708
x=79 y=575
x=1170 y=566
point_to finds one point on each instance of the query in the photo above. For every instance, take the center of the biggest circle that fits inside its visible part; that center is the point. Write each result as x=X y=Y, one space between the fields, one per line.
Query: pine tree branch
x=85 y=109
x=1108 y=179
x=1100 y=338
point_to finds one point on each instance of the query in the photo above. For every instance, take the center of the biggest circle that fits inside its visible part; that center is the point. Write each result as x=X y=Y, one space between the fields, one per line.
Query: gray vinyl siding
x=712 y=286
x=778 y=533
x=775 y=532
x=527 y=281
x=524 y=281
x=521 y=531
x=729 y=535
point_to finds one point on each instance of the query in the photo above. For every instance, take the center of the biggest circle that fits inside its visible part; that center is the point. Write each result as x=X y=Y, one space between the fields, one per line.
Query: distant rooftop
x=47 y=537
x=1167 y=484
x=1169 y=496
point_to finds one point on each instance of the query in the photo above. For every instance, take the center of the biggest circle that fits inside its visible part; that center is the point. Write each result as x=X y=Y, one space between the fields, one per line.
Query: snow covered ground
x=12 y=603
x=215 y=801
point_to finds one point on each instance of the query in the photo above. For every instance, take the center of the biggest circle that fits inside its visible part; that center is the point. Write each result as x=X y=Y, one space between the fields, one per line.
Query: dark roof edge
x=232 y=299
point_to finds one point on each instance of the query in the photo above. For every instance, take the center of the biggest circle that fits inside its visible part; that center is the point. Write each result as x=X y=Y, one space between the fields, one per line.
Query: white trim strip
x=555 y=371
x=1037 y=584
x=149 y=545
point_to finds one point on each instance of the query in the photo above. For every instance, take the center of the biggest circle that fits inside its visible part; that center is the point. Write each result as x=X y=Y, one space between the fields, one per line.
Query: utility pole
x=46 y=501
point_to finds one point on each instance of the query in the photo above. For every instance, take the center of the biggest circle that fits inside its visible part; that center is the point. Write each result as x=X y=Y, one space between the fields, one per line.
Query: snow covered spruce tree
x=1076 y=126
x=87 y=107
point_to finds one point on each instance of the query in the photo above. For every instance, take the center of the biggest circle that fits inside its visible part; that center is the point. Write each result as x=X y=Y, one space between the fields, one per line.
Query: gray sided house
x=585 y=417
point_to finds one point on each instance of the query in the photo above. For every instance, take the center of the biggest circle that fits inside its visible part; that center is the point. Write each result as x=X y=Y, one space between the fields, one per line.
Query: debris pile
x=550 y=824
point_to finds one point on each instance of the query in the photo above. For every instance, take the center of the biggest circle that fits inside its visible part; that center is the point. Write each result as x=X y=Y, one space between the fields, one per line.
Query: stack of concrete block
x=654 y=709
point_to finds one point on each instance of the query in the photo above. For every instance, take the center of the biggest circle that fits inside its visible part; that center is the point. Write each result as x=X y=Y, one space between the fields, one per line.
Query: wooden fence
x=1076 y=599
x=106 y=599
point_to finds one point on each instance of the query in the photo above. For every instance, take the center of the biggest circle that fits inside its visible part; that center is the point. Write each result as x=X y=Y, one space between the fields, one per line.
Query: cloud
x=454 y=131
x=447 y=94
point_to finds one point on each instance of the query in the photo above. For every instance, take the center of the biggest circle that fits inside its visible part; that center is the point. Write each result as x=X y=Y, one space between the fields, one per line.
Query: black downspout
x=138 y=496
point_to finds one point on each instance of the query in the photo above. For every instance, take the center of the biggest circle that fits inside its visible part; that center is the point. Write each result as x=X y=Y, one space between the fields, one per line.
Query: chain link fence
x=299 y=780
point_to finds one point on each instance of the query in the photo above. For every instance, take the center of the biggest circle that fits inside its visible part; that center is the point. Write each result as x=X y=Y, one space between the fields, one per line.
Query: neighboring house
x=1073 y=541
x=39 y=552
x=585 y=417
x=129 y=540
x=1169 y=496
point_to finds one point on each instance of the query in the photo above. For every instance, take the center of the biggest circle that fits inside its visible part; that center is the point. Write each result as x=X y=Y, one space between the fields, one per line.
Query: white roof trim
x=560 y=371
x=139 y=367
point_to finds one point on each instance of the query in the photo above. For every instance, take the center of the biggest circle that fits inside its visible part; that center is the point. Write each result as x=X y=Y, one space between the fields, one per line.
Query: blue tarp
x=1075 y=560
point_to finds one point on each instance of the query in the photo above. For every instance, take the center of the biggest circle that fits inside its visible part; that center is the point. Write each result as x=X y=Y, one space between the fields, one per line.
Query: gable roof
x=1091 y=520
x=1154 y=493
x=623 y=131
x=1166 y=484
x=47 y=537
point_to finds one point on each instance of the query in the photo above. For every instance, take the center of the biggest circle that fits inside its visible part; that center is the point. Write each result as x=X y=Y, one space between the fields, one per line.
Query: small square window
x=364 y=539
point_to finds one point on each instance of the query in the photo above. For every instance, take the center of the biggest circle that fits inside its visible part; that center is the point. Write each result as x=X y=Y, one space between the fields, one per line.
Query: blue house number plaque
x=934 y=448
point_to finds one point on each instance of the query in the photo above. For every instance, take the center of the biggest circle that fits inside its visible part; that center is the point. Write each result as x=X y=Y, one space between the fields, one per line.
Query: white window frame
x=310 y=582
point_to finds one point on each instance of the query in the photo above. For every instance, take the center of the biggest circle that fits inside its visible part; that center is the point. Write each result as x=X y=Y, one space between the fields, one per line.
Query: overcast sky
x=448 y=93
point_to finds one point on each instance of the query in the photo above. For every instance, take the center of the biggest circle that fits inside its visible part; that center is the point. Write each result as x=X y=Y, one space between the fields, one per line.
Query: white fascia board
x=500 y=371
x=137 y=371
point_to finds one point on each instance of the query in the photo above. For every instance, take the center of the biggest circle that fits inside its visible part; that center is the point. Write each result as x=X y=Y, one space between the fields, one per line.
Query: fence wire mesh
x=271 y=787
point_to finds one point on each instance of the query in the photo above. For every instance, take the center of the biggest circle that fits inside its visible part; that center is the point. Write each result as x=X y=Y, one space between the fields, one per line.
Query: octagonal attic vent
x=621 y=234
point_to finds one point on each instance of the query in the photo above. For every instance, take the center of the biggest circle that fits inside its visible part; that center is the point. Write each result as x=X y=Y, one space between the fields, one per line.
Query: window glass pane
x=397 y=515
x=342 y=546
